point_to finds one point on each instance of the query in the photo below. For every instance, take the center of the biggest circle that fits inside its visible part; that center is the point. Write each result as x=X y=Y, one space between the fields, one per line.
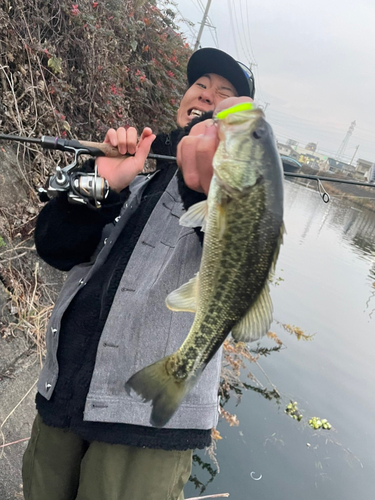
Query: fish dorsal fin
x=257 y=320
x=196 y=215
x=185 y=297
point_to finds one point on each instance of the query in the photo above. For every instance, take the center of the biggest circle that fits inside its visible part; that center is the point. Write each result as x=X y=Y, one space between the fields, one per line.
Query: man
x=90 y=440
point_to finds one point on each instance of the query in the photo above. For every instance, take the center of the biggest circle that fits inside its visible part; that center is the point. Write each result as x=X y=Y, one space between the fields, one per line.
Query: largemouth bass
x=243 y=223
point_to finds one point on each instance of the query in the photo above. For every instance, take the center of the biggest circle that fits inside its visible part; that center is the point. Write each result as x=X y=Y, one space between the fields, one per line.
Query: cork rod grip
x=108 y=150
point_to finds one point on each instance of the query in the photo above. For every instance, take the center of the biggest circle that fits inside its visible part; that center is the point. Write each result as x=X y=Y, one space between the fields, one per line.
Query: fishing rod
x=84 y=188
x=91 y=189
x=323 y=193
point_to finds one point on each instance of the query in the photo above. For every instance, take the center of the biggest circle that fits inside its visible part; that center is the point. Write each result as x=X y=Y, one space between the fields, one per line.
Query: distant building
x=370 y=175
x=363 y=166
x=309 y=159
x=302 y=155
x=334 y=166
x=311 y=146
x=284 y=149
x=309 y=156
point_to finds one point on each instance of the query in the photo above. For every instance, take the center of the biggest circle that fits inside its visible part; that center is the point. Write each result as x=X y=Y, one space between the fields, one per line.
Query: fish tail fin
x=154 y=383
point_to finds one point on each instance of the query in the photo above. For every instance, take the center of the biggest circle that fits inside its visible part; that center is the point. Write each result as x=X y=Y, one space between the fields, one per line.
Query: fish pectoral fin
x=185 y=297
x=195 y=216
x=221 y=220
x=280 y=242
x=257 y=320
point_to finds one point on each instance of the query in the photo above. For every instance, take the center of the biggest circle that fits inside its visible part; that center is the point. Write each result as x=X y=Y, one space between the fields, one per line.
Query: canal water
x=325 y=285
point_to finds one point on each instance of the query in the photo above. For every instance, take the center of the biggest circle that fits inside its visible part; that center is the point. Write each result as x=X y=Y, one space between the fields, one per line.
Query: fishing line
x=323 y=193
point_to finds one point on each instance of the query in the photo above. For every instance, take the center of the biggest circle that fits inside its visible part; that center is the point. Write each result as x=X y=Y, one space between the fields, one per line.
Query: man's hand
x=196 y=151
x=119 y=172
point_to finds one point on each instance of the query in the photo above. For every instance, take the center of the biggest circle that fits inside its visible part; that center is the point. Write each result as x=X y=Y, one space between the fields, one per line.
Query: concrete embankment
x=19 y=368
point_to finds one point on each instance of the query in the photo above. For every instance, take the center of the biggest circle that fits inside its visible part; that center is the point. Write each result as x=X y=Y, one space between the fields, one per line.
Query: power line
x=294 y=117
x=187 y=22
x=244 y=50
x=245 y=35
x=257 y=82
x=248 y=29
x=232 y=26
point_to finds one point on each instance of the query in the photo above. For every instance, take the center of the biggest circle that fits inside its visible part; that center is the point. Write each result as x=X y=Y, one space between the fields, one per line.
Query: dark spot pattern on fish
x=240 y=274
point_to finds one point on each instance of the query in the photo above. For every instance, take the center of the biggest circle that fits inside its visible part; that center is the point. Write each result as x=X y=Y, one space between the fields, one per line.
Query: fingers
x=124 y=140
x=186 y=152
x=131 y=140
x=146 y=132
x=201 y=127
x=195 y=152
x=206 y=149
x=194 y=156
x=121 y=140
x=111 y=137
x=144 y=146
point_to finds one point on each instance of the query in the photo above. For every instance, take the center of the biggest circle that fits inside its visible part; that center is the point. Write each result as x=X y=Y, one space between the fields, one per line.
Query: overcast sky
x=313 y=62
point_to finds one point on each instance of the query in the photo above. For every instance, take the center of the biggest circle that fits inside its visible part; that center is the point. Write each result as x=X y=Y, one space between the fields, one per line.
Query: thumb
x=211 y=132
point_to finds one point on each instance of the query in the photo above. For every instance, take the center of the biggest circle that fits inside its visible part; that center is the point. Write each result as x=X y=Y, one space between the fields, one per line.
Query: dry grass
x=30 y=301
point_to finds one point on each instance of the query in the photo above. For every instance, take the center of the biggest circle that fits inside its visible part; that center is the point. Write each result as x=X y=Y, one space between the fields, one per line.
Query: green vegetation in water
x=314 y=422
x=293 y=411
x=319 y=423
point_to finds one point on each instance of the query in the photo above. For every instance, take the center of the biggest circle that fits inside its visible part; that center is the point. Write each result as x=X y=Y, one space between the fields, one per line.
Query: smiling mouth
x=195 y=112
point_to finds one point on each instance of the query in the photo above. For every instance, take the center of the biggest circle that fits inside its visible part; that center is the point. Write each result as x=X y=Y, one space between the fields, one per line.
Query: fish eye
x=259 y=132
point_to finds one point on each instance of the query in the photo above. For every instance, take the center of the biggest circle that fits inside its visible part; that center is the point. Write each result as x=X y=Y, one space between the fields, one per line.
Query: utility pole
x=355 y=152
x=202 y=25
x=344 y=143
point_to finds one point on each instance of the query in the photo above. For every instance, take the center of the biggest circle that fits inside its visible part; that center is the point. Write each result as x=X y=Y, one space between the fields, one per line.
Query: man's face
x=203 y=96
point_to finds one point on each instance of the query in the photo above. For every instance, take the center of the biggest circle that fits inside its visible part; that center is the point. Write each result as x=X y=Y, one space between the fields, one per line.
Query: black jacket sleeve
x=67 y=234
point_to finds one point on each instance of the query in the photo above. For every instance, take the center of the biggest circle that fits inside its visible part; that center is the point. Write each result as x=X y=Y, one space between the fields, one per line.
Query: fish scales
x=225 y=307
x=243 y=232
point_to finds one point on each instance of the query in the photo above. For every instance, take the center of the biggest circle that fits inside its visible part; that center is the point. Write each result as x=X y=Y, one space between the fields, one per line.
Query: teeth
x=196 y=112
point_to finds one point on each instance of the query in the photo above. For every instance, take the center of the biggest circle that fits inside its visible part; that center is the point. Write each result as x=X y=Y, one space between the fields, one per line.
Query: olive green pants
x=59 y=465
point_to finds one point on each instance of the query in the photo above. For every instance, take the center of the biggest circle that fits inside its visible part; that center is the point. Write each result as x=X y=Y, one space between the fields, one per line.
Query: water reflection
x=355 y=225
x=207 y=473
x=232 y=387
x=328 y=265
